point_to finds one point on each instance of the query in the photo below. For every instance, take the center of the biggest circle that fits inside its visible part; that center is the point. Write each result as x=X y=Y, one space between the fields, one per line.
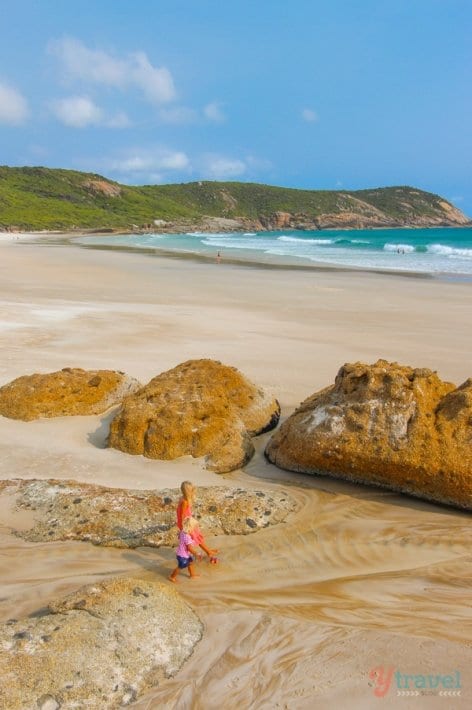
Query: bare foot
x=192 y=576
x=173 y=579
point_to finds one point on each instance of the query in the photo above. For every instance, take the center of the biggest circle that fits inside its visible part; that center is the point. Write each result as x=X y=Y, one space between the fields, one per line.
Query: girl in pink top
x=184 y=510
x=186 y=552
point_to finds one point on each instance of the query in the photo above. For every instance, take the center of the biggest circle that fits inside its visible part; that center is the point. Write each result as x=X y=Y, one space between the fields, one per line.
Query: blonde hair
x=189 y=524
x=187 y=489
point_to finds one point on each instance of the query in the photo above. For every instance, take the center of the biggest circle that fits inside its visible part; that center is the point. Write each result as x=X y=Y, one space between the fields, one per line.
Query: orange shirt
x=184 y=510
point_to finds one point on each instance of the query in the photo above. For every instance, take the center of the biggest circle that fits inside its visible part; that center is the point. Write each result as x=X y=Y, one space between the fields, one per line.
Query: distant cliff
x=54 y=199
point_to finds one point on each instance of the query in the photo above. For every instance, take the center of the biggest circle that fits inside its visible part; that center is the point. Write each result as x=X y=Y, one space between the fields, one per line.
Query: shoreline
x=67 y=238
x=219 y=225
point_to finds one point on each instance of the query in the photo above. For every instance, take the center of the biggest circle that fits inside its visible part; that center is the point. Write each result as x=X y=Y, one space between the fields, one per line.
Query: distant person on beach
x=184 y=511
x=186 y=551
x=218 y=258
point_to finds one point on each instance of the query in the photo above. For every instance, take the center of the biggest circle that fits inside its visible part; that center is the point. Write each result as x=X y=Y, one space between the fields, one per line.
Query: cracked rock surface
x=115 y=517
x=99 y=647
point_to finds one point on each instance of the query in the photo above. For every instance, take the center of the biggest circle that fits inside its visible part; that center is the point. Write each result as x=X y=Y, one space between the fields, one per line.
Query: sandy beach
x=296 y=615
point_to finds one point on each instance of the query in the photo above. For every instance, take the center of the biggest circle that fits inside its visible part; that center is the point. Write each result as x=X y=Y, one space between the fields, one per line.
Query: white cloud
x=156 y=178
x=135 y=163
x=214 y=112
x=80 y=62
x=174 y=161
x=178 y=115
x=182 y=115
x=99 y=67
x=13 y=106
x=258 y=164
x=81 y=112
x=77 y=111
x=150 y=161
x=309 y=115
x=118 y=120
x=221 y=168
x=156 y=82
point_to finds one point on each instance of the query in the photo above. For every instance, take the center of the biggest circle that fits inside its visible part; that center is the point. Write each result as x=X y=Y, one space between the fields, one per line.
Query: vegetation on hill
x=36 y=198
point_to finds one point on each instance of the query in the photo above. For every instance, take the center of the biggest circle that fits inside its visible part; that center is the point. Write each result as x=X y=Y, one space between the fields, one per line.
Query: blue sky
x=323 y=95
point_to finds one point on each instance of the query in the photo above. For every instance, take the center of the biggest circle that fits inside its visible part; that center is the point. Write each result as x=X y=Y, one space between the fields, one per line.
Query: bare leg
x=173 y=576
x=191 y=571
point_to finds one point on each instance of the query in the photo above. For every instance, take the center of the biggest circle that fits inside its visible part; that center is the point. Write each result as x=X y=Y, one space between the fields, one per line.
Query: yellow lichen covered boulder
x=70 y=391
x=199 y=408
x=388 y=425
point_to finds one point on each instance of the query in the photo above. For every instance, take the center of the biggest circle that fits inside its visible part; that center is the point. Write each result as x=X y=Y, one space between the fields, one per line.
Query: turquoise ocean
x=446 y=251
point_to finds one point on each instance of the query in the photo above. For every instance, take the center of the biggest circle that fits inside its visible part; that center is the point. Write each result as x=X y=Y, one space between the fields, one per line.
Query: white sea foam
x=444 y=250
x=233 y=242
x=217 y=235
x=304 y=241
x=407 y=248
x=250 y=234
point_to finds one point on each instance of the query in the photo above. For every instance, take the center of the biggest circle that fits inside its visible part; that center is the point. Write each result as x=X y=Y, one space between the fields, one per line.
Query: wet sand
x=297 y=615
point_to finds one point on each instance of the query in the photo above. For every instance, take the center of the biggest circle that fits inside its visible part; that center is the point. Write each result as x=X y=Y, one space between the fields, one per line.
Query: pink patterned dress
x=184 y=510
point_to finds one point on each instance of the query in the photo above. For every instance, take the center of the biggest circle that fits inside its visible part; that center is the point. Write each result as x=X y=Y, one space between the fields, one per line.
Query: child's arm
x=193 y=551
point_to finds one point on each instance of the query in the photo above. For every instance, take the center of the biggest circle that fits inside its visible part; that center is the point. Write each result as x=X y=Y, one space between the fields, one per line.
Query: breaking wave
x=304 y=241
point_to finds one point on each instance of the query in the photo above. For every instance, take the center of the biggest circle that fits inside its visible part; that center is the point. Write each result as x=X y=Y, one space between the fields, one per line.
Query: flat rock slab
x=115 y=517
x=99 y=647
x=68 y=392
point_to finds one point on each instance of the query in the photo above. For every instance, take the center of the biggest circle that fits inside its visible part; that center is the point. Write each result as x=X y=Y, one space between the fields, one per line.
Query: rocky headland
x=99 y=647
x=199 y=408
x=39 y=198
x=388 y=425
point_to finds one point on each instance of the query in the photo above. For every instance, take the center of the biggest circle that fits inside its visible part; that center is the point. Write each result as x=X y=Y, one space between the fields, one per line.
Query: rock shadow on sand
x=99 y=437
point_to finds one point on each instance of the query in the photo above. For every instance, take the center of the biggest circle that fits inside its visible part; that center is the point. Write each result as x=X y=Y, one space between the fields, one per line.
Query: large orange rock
x=199 y=408
x=68 y=392
x=384 y=424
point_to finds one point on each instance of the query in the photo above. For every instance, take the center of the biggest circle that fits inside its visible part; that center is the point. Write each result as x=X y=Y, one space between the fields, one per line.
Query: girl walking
x=186 y=552
x=184 y=510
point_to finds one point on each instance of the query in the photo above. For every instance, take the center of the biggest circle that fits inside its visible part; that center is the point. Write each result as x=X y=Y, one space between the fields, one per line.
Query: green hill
x=36 y=198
